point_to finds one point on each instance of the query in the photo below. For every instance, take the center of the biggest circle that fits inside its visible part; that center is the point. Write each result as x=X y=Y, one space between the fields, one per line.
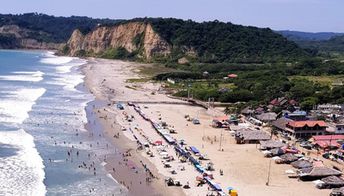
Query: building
x=280 y=124
x=336 y=128
x=327 y=141
x=220 y=122
x=251 y=136
x=329 y=107
x=296 y=115
x=279 y=101
x=267 y=117
x=306 y=129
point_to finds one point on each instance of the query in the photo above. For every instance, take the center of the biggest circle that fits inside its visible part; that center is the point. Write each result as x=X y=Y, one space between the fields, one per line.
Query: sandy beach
x=244 y=166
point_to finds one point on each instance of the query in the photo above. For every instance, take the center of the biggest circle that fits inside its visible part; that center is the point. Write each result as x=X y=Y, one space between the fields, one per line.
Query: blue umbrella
x=230 y=188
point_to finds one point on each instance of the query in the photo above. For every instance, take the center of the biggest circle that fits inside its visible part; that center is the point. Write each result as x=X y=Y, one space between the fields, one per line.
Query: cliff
x=14 y=37
x=180 y=41
x=135 y=37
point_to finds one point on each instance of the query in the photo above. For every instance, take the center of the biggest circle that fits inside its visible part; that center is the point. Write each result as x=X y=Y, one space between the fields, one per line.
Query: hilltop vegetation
x=45 y=28
x=206 y=42
x=333 y=45
x=306 y=36
x=215 y=42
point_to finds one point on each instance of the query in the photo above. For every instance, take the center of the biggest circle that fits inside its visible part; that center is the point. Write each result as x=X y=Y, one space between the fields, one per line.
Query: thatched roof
x=270 y=144
x=338 y=191
x=247 y=110
x=252 y=135
x=276 y=152
x=318 y=172
x=269 y=116
x=288 y=158
x=333 y=180
x=281 y=123
x=301 y=164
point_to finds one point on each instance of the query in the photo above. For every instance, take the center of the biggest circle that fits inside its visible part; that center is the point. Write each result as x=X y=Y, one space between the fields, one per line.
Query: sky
x=301 y=15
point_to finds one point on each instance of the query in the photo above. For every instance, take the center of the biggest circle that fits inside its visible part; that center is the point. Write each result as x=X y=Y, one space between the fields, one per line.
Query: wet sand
x=128 y=167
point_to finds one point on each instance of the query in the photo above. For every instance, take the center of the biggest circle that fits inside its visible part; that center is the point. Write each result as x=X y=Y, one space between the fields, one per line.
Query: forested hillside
x=32 y=29
x=333 y=45
x=307 y=36
x=173 y=39
x=226 y=42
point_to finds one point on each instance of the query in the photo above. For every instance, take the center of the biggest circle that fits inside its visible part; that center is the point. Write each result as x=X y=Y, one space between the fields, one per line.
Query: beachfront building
x=220 y=122
x=297 y=115
x=251 y=136
x=329 y=107
x=327 y=141
x=305 y=129
x=267 y=117
x=335 y=128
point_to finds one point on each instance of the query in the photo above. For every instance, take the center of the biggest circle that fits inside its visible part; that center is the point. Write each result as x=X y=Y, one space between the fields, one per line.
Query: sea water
x=43 y=141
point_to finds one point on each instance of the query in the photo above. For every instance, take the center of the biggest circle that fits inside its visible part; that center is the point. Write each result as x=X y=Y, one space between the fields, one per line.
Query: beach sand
x=244 y=166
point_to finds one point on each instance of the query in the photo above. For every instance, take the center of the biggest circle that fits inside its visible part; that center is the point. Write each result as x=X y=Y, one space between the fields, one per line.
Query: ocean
x=44 y=146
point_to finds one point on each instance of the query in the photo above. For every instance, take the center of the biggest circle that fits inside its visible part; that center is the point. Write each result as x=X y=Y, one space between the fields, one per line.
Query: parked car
x=195 y=121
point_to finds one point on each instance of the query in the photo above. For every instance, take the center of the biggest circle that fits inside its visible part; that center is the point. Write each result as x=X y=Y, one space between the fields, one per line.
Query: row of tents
x=170 y=140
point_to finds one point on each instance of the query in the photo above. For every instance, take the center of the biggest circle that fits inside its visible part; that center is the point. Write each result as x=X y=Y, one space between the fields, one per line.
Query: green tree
x=308 y=103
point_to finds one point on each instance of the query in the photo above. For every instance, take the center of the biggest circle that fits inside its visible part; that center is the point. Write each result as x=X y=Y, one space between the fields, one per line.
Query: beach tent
x=169 y=139
x=213 y=184
x=180 y=150
x=194 y=150
x=193 y=160
x=199 y=168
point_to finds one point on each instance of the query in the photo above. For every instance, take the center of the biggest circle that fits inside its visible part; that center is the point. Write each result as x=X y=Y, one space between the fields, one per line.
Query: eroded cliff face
x=133 y=36
x=17 y=37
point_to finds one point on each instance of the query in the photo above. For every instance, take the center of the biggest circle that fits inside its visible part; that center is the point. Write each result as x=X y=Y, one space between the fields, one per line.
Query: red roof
x=232 y=75
x=221 y=118
x=274 y=102
x=325 y=144
x=308 y=123
x=292 y=102
x=328 y=137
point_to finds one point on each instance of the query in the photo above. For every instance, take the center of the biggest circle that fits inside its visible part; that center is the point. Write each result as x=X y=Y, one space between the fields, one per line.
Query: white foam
x=66 y=68
x=22 y=173
x=55 y=60
x=24 y=76
x=110 y=176
x=14 y=108
x=68 y=81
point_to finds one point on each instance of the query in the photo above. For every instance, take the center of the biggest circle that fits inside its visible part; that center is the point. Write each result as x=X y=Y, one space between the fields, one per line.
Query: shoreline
x=132 y=180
